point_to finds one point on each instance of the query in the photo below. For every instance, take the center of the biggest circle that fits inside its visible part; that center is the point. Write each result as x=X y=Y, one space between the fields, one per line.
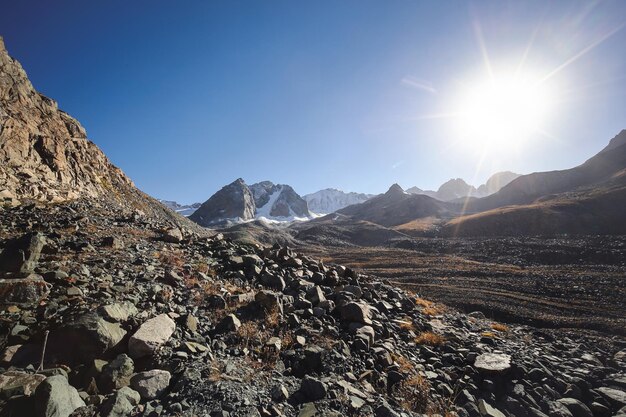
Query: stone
x=151 y=384
x=172 y=235
x=87 y=337
x=312 y=388
x=19 y=383
x=113 y=242
x=118 y=312
x=357 y=313
x=27 y=290
x=273 y=281
x=121 y=403
x=55 y=397
x=21 y=255
x=269 y=301
x=493 y=362
x=487 y=410
x=229 y=323
x=150 y=336
x=315 y=295
x=191 y=322
x=576 y=407
x=279 y=393
x=614 y=396
x=116 y=374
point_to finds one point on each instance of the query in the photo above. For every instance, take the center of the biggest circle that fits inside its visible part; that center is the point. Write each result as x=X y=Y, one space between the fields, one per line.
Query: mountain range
x=458 y=188
x=237 y=202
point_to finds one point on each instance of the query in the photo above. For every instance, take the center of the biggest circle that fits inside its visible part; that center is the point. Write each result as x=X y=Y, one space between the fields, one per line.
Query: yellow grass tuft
x=430 y=339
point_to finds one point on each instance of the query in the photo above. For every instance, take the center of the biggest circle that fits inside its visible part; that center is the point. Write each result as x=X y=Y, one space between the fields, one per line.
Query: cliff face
x=44 y=153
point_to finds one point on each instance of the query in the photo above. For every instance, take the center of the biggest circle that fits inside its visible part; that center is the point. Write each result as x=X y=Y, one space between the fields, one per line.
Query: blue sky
x=187 y=96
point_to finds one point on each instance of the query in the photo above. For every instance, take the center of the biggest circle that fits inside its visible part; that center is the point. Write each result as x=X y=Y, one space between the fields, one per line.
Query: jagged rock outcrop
x=278 y=200
x=44 y=152
x=233 y=203
x=45 y=156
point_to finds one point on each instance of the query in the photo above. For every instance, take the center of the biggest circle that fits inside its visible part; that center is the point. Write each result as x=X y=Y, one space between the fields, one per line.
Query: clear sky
x=186 y=96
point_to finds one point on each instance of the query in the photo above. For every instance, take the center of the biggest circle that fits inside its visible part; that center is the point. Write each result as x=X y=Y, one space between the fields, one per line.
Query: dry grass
x=171 y=258
x=430 y=308
x=407 y=325
x=489 y=334
x=413 y=393
x=499 y=327
x=404 y=364
x=430 y=339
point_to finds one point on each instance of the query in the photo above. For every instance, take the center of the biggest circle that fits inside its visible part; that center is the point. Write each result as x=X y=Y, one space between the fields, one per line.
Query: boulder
x=55 y=397
x=151 y=384
x=120 y=404
x=23 y=290
x=150 y=336
x=576 y=407
x=230 y=323
x=493 y=362
x=313 y=389
x=21 y=255
x=357 y=313
x=118 y=312
x=172 y=235
x=85 y=338
x=614 y=396
x=19 y=383
x=487 y=410
x=116 y=374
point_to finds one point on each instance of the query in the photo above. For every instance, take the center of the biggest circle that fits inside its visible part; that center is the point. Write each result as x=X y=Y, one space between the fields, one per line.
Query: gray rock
x=230 y=323
x=86 y=338
x=616 y=397
x=55 y=397
x=21 y=255
x=27 y=290
x=357 y=312
x=116 y=374
x=19 y=383
x=150 y=336
x=118 y=312
x=172 y=235
x=493 y=362
x=576 y=407
x=313 y=389
x=151 y=384
x=121 y=403
x=487 y=410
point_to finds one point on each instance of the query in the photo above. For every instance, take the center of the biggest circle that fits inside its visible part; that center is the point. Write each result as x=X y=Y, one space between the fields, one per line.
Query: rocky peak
x=455 y=188
x=395 y=189
x=234 y=202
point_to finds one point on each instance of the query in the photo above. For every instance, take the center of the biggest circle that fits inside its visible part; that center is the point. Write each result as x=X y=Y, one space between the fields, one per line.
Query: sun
x=502 y=112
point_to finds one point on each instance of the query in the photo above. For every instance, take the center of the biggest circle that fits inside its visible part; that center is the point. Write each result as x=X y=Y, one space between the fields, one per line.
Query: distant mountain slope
x=527 y=188
x=457 y=188
x=330 y=200
x=395 y=207
x=182 y=209
x=587 y=199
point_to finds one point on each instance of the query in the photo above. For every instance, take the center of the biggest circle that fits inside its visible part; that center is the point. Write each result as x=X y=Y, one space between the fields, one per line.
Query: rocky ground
x=134 y=317
x=563 y=282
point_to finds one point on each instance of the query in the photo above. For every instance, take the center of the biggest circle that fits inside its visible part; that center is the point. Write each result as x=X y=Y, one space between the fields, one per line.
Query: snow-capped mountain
x=184 y=209
x=330 y=200
x=238 y=202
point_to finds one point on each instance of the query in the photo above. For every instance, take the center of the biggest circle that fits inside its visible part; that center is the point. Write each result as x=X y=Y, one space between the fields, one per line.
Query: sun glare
x=501 y=112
